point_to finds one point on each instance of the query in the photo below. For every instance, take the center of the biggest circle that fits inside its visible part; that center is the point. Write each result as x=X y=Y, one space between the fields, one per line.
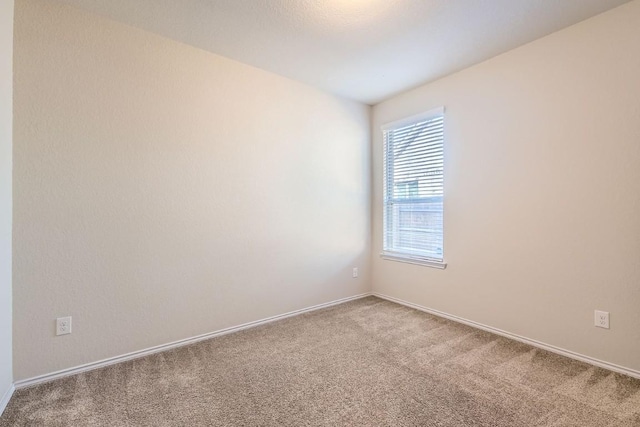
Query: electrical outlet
x=63 y=325
x=602 y=319
x=355 y=272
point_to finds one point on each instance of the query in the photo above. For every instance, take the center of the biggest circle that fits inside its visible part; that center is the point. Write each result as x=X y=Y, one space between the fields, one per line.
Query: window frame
x=400 y=255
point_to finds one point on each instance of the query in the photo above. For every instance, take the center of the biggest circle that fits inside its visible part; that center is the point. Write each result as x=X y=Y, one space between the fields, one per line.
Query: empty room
x=320 y=213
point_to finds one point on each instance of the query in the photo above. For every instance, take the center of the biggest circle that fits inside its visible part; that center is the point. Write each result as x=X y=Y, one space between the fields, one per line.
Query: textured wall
x=6 y=85
x=542 y=190
x=163 y=192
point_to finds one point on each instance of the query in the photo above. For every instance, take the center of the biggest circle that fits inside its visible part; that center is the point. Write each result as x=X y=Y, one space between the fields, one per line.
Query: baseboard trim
x=561 y=351
x=6 y=398
x=40 y=379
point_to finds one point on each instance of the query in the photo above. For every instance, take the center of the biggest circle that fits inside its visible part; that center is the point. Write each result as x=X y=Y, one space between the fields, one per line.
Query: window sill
x=414 y=260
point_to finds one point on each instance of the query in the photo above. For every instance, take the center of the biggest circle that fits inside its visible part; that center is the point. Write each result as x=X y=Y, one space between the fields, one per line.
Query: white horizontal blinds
x=414 y=185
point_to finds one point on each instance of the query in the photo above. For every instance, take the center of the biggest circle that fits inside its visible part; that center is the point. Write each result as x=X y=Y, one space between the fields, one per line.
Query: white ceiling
x=365 y=50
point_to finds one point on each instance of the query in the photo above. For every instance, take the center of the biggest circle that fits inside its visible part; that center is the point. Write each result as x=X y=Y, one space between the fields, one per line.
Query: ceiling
x=366 y=50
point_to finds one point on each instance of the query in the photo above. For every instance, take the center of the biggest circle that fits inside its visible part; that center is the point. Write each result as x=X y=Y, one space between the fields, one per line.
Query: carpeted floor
x=364 y=363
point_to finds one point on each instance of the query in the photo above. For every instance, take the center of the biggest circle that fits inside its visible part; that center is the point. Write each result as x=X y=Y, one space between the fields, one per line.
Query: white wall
x=6 y=119
x=542 y=190
x=163 y=192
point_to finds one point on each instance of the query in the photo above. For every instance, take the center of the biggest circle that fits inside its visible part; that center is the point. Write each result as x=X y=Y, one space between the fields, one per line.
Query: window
x=413 y=189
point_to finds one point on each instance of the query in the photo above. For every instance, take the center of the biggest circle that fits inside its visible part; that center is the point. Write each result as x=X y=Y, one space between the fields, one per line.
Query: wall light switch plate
x=355 y=272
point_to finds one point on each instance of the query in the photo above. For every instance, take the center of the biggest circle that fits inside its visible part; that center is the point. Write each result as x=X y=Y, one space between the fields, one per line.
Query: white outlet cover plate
x=602 y=319
x=63 y=325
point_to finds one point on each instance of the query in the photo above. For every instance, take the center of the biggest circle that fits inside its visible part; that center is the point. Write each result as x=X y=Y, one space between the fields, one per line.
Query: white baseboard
x=561 y=351
x=4 y=401
x=157 y=349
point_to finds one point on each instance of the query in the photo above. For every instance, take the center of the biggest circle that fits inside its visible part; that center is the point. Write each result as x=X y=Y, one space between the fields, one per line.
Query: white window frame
x=398 y=255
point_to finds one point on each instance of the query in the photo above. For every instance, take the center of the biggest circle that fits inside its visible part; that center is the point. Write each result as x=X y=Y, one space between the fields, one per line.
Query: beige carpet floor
x=364 y=363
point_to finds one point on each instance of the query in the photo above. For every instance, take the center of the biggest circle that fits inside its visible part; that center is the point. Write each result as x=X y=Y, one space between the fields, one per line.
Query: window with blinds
x=413 y=188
